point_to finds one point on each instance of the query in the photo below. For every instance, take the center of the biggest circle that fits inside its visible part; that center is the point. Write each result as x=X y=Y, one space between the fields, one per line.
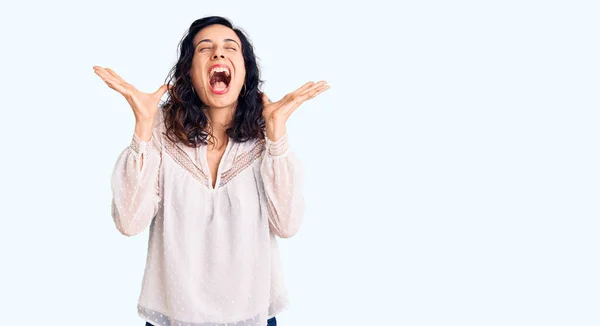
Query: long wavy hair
x=184 y=117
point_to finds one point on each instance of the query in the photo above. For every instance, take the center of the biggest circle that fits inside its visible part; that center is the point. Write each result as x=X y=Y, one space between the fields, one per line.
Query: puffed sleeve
x=282 y=176
x=135 y=182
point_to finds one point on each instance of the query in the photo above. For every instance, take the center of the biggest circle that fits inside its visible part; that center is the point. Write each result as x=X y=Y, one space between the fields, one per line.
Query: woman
x=210 y=172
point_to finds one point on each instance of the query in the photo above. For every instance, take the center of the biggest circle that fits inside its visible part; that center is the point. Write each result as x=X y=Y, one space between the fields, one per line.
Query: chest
x=210 y=167
x=213 y=160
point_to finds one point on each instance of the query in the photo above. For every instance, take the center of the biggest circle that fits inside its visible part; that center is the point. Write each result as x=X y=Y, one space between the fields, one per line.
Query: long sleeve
x=135 y=182
x=282 y=175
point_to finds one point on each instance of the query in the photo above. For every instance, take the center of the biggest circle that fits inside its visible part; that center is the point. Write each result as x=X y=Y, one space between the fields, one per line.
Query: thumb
x=265 y=99
x=161 y=90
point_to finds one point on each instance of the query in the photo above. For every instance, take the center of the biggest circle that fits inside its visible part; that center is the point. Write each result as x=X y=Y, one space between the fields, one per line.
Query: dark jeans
x=270 y=322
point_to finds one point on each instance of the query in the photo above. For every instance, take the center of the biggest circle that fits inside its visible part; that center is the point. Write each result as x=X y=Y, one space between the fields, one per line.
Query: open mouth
x=219 y=79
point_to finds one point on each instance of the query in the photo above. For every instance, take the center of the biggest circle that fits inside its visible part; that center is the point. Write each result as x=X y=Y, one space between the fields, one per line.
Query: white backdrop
x=452 y=170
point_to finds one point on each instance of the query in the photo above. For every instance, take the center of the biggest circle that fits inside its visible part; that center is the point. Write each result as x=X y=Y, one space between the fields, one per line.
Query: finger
x=120 y=80
x=106 y=76
x=118 y=87
x=303 y=87
x=111 y=81
x=299 y=99
x=114 y=74
x=318 y=85
x=311 y=93
x=317 y=91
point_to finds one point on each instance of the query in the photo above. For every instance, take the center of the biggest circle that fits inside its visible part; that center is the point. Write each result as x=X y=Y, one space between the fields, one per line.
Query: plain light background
x=452 y=170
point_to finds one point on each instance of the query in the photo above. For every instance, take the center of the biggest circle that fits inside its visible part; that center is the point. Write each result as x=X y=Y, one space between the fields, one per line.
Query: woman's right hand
x=144 y=105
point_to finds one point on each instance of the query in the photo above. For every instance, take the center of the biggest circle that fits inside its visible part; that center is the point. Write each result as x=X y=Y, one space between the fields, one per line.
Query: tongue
x=219 y=85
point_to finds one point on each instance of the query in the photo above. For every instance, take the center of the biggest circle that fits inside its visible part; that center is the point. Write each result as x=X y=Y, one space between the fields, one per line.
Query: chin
x=222 y=98
x=222 y=104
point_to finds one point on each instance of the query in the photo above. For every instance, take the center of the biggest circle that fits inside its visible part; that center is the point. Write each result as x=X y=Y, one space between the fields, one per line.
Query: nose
x=218 y=55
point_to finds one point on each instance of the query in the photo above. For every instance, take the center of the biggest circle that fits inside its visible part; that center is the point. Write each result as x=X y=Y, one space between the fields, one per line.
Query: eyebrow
x=210 y=41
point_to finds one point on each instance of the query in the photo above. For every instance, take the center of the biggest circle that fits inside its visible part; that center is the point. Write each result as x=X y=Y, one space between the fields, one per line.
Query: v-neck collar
x=204 y=157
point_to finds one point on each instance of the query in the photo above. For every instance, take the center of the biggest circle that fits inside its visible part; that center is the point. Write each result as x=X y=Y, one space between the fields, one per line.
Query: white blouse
x=212 y=257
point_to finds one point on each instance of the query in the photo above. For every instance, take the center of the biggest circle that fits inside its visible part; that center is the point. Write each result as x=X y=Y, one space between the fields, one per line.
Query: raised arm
x=135 y=177
x=281 y=171
x=282 y=176
x=135 y=183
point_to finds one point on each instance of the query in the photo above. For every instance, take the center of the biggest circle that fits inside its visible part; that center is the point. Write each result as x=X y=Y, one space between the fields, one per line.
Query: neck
x=219 y=120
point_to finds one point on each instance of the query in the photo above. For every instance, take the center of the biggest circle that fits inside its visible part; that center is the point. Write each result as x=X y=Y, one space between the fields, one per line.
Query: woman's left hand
x=277 y=113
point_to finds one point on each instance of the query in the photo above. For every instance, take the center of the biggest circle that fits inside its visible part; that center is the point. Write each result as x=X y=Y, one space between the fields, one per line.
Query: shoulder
x=248 y=151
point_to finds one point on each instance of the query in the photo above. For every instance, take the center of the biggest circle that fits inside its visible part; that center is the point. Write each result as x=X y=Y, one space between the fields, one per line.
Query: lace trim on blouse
x=183 y=159
x=241 y=162
x=277 y=148
x=135 y=144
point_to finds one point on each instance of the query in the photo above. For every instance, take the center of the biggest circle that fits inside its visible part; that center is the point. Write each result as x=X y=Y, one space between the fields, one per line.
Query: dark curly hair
x=184 y=116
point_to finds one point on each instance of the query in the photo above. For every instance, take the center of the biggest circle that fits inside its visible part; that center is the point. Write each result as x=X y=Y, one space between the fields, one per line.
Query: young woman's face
x=218 y=70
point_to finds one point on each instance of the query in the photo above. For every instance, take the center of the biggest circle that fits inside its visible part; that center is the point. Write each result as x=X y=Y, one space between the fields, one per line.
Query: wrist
x=143 y=131
x=277 y=148
x=274 y=132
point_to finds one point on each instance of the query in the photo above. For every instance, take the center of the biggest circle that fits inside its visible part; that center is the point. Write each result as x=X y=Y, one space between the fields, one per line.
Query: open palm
x=144 y=105
x=278 y=112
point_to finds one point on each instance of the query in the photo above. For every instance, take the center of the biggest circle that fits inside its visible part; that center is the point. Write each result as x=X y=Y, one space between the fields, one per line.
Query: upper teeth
x=219 y=69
